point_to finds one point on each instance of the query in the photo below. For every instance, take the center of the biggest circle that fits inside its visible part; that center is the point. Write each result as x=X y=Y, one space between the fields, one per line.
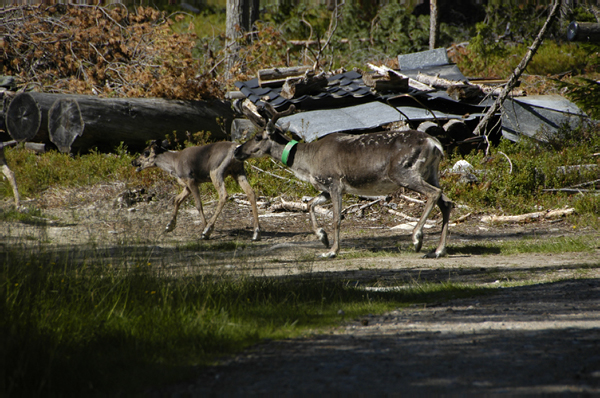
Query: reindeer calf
x=196 y=165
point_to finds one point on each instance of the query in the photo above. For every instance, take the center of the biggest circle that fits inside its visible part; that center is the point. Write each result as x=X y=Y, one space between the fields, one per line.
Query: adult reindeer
x=366 y=164
x=196 y=165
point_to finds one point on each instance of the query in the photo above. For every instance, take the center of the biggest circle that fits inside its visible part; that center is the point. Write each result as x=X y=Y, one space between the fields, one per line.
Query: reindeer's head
x=148 y=156
x=260 y=145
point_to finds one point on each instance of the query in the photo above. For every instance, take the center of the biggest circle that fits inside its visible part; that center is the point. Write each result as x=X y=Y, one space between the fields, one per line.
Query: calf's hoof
x=170 y=227
x=256 y=236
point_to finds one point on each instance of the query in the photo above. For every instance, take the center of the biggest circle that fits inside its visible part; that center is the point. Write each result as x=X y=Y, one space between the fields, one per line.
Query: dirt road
x=539 y=334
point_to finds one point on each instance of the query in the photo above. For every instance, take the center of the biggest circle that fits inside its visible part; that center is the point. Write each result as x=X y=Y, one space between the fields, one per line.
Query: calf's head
x=148 y=156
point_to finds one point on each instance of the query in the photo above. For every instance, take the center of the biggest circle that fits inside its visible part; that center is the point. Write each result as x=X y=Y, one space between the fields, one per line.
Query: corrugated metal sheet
x=318 y=123
x=538 y=113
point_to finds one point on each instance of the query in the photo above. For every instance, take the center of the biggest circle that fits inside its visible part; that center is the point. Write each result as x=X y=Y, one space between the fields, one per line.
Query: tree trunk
x=109 y=121
x=514 y=77
x=433 y=24
x=233 y=31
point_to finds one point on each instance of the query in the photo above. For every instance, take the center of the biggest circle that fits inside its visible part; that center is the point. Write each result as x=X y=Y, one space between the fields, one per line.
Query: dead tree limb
x=300 y=206
x=529 y=216
x=512 y=81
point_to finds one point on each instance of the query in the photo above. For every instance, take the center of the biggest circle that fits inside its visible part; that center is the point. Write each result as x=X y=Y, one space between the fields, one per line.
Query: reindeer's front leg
x=243 y=181
x=322 y=198
x=336 y=200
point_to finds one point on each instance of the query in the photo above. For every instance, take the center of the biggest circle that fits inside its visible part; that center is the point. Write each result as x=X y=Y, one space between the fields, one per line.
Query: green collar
x=286 y=151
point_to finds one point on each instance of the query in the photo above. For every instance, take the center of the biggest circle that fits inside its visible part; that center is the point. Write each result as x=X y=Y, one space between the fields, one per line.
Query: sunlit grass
x=527 y=245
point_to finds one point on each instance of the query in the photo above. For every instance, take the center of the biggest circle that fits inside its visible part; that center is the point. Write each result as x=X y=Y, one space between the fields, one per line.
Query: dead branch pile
x=82 y=49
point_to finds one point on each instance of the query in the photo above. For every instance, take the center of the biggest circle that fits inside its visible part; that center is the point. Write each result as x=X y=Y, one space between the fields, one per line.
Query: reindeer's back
x=198 y=161
x=372 y=148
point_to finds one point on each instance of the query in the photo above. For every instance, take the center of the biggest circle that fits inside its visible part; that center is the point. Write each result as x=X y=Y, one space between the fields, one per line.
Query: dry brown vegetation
x=103 y=51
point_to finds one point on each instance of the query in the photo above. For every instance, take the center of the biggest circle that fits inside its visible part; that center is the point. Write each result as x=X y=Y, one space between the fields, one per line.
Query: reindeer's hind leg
x=243 y=181
x=445 y=206
x=418 y=184
x=323 y=197
x=336 y=200
x=179 y=199
x=218 y=181
x=193 y=189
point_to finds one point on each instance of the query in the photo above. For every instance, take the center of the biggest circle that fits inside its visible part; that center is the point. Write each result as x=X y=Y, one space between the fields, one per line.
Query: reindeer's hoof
x=206 y=233
x=170 y=227
x=435 y=254
x=329 y=255
x=256 y=236
x=322 y=235
x=418 y=245
x=418 y=242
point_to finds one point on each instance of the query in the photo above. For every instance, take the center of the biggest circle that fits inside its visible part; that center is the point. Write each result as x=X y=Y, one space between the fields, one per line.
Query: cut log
x=583 y=31
x=308 y=85
x=134 y=121
x=64 y=123
x=431 y=128
x=386 y=82
x=461 y=92
x=276 y=77
x=23 y=117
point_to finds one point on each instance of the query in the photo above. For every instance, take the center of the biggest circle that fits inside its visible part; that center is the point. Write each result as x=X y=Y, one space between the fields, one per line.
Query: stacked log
x=83 y=122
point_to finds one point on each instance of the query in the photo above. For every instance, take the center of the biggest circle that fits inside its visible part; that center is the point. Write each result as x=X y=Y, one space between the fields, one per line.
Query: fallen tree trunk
x=109 y=121
x=583 y=31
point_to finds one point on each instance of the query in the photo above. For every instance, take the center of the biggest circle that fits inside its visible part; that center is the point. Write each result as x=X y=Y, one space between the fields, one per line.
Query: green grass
x=77 y=323
x=528 y=244
x=514 y=178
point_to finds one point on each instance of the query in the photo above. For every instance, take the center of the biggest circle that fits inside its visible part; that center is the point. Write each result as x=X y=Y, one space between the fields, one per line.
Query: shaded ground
x=539 y=339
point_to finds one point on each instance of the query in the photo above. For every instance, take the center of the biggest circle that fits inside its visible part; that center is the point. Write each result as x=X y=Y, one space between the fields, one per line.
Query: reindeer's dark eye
x=146 y=153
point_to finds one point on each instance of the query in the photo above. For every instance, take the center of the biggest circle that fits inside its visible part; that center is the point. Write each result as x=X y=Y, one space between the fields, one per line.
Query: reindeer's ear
x=165 y=144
